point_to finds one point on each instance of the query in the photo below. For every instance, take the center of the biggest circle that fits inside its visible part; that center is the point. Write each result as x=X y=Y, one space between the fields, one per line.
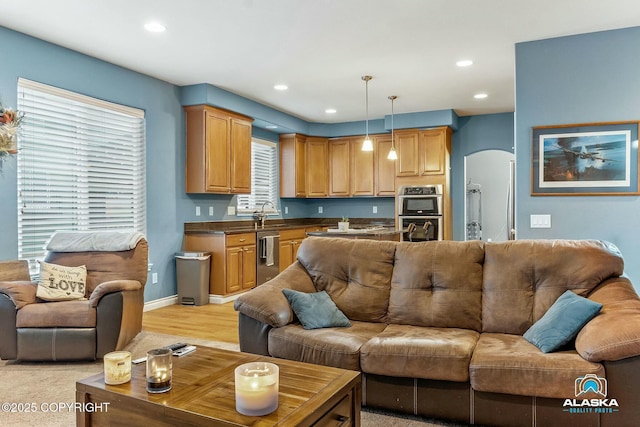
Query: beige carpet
x=52 y=385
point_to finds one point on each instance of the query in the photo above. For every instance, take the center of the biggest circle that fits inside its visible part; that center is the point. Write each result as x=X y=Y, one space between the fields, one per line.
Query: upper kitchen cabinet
x=423 y=152
x=303 y=166
x=385 y=169
x=317 y=167
x=293 y=165
x=218 y=151
x=350 y=168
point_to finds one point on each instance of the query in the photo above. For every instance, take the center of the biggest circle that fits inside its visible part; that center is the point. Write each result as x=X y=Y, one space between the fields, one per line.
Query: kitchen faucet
x=262 y=214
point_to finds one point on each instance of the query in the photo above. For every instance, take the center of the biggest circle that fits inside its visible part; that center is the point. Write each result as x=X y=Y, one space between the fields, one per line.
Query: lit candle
x=117 y=367
x=257 y=388
x=159 y=364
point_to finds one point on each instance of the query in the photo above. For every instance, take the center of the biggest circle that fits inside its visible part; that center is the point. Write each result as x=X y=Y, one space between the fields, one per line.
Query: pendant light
x=367 y=145
x=392 y=153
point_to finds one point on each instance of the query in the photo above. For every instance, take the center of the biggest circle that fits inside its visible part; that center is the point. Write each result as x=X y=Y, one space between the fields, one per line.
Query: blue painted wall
x=24 y=56
x=578 y=79
x=475 y=133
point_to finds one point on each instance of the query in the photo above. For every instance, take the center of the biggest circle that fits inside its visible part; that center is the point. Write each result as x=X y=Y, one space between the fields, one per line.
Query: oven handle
x=400 y=217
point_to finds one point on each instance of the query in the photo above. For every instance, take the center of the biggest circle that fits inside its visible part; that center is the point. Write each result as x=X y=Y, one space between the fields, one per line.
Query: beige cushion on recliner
x=59 y=314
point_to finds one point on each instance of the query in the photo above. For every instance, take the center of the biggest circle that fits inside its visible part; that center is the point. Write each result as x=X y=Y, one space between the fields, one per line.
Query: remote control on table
x=184 y=350
x=176 y=346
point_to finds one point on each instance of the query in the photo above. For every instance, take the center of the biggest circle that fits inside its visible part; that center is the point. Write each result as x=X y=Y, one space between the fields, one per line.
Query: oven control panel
x=422 y=190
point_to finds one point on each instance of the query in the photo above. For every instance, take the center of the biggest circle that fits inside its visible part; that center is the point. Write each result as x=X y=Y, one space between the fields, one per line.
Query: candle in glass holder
x=257 y=388
x=159 y=364
x=117 y=367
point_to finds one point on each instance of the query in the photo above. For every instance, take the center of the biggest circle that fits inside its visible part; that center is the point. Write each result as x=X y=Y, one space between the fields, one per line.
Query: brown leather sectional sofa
x=437 y=328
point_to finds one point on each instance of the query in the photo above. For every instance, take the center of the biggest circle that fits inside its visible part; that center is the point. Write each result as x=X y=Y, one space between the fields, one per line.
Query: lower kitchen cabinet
x=289 y=243
x=233 y=260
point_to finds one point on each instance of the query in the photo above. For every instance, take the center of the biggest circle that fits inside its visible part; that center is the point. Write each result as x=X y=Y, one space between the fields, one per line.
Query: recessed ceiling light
x=480 y=95
x=330 y=111
x=464 y=63
x=271 y=127
x=281 y=87
x=154 y=27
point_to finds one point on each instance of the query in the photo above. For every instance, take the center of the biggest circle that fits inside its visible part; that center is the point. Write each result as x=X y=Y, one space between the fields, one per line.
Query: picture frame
x=587 y=159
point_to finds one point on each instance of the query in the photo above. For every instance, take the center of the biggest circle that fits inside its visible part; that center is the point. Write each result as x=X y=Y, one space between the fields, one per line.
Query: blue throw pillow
x=316 y=310
x=562 y=322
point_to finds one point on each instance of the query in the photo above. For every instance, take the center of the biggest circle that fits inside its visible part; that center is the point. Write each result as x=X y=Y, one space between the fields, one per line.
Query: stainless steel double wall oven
x=420 y=212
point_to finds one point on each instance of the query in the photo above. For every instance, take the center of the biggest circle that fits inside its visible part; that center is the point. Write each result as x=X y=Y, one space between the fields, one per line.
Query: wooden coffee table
x=203 y=394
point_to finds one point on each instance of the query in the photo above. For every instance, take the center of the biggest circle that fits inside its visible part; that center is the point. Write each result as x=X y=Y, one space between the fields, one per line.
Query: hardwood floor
x=216 y=322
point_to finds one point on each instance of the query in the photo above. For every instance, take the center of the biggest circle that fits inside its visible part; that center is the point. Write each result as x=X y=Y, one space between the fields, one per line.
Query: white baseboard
x=162 y=302
x=173 y=299
x=220 y=299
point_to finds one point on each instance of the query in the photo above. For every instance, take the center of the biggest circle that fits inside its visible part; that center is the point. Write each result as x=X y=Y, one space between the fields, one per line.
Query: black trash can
x=192 y=271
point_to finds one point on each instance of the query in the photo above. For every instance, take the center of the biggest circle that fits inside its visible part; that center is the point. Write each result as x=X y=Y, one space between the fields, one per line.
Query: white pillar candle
x=117 y=367
x=257 y=388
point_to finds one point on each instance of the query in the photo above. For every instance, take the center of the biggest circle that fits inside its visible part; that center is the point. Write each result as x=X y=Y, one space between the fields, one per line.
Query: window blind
x=264 y=179
x=81 y=166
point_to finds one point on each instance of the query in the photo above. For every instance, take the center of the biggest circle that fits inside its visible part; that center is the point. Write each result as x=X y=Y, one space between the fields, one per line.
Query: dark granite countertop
x=248 y=226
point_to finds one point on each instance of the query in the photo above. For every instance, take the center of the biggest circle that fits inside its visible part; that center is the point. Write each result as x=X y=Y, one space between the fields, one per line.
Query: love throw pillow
x=60 y=283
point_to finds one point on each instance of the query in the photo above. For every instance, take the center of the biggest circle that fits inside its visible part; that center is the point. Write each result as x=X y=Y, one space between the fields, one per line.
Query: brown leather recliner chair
x=108 y=319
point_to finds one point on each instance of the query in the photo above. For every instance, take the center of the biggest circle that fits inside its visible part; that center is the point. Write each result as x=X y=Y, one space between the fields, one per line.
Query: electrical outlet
x=154 y=278
x=320 y=209
x=197 y=210
x=286 y=210
x=231 y=210
x=375 y=209
x=210 y=210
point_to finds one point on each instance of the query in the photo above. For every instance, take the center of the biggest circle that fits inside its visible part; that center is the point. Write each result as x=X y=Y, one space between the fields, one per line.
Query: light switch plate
x=210 y=210
x=197 y=210
x=154 y=277
x=231 y=210
x=286 y=209
x=375 y=209
x=540 y=221
x=319 y=209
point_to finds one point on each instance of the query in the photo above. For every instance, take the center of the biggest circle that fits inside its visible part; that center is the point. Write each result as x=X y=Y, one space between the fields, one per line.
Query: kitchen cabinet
x=218 y=151
x=290 y=241
x=384 y=169
x=293 y=165
x=317 y=167
x=350 y=168
x=233 y=260
x=303 y=166
x=423 y=152
x=407 y=149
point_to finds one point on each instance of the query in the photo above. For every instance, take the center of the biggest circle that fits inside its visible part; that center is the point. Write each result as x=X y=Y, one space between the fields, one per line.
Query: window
x=264 y=179
x=81 y=166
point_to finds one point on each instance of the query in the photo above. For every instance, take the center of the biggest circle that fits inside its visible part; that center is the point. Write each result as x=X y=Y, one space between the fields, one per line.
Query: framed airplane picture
x=591 y=159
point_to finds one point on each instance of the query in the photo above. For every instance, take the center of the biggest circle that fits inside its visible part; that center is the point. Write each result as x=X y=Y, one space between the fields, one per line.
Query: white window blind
x=81 y=166
x=264 y=179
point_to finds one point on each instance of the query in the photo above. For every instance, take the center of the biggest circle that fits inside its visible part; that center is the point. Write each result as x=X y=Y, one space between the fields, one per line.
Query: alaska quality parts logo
x=586 y=387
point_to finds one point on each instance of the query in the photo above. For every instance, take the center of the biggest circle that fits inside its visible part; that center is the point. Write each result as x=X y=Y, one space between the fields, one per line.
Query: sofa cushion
x=315 y=310
x=355 y=273
x=60 y=282
x=420 y=352
x=523 y=278
x=504 y=363
x=562 y=322
x=338 y=347
x=72 y=314
x=437 y=284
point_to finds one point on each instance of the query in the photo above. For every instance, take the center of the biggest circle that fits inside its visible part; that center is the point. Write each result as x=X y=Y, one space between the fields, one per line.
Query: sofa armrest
x=112 y=286
x=614 y=334
x=21 y=292
x=267 y=303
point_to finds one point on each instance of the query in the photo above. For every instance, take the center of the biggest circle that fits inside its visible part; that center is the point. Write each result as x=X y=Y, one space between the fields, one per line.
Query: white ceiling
x=321 y=48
